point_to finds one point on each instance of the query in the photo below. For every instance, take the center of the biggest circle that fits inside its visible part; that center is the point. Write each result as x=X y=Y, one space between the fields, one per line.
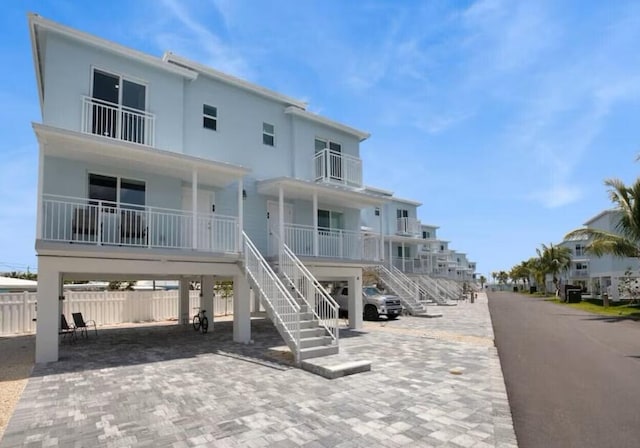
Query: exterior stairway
x=407 y=291
x=434 y=290
x=308 y=330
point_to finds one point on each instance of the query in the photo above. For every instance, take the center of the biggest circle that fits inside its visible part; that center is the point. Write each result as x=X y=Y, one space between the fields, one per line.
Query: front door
x=273 y=223
x=205 y=223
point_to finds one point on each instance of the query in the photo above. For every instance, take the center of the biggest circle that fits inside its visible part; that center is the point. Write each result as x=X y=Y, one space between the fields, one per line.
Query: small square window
x=210 y=117
x=268 y=134
x=377 y=211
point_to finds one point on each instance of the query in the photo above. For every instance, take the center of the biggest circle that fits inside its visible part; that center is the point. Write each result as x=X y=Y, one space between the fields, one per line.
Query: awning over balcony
x=97 y=149
x=328 y=194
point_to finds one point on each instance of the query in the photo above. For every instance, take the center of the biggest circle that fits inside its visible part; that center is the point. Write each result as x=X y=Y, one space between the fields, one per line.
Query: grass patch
x=616 y=309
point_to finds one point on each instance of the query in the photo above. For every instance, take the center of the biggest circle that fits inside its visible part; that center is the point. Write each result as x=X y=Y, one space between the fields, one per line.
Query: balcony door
x=117 y=107
x=205 y=223
x=332 y=158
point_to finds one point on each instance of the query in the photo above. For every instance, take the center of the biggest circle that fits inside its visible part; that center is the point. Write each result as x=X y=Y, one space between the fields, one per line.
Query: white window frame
x=272 y=134
x=211 y=117
x=118 y=186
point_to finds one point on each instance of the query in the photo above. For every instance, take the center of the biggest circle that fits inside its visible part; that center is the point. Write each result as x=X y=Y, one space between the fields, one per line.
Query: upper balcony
x=118 y=122
x=337 y=168
x=408 y=226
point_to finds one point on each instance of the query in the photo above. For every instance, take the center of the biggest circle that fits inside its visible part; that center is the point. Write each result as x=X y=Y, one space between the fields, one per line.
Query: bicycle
x=200 y=321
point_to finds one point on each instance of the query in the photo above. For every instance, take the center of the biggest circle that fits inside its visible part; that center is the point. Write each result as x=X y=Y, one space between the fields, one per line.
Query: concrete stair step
x=308 y=324
x=335 y=366
x=311 y=332
x=316 y=352
x=316 y=341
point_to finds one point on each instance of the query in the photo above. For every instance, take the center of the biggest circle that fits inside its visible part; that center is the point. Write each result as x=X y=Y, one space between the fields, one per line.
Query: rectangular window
x=426 y=235
x=402 y=213
x=377 y=211
x=210 y=117
x=406 y=253
x=268 y=134
x=117 y=191
x=330 y=220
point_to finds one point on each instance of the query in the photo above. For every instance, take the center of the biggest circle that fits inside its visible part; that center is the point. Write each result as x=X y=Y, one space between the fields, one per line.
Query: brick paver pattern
x=169 y=386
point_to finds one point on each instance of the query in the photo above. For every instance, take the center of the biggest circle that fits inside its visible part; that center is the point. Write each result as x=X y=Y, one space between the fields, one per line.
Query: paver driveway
x=169 y=386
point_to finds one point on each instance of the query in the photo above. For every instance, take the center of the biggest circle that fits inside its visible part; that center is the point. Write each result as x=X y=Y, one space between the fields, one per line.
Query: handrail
x=284 y=307
x=389 y=277
x=421 y=291
x=326 y=308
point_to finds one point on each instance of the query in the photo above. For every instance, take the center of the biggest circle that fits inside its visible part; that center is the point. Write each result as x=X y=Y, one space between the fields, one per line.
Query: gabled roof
x=293 y=110
x=38 y=24
x=179 y=61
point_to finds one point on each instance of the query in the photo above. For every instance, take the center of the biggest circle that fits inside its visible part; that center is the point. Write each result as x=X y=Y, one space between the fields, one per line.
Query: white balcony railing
x=332 y=243
x=77 y=220
x=335 y=167
x=580 y=273
x=116 y=121
x=408 y=226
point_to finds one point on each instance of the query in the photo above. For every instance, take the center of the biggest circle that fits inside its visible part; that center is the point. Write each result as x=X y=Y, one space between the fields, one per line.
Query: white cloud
x=195 y=39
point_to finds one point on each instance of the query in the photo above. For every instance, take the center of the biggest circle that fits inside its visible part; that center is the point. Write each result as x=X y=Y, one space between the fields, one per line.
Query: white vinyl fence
x=18 y=310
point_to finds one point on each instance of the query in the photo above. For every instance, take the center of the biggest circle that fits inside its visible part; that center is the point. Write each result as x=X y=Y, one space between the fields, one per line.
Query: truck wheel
x=370 y=312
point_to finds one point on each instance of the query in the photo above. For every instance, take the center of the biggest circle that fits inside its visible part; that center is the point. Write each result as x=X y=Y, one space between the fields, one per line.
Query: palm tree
x=554 y=259
x=626 y=241
x=483 y=280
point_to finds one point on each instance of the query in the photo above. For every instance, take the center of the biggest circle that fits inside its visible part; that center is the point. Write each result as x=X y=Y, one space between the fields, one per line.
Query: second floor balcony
x=103 y=223
x=337 y=168
x=579 y=273
x=408 y=226
x=118 y=122
x=304 y=241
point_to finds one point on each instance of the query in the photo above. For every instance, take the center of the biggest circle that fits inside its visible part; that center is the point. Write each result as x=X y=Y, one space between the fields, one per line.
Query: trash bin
x=572 y=294
x=532 y=289
x=515 y=289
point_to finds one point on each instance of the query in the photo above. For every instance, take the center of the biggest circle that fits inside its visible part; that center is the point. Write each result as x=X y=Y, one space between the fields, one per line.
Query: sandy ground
x=16 y=361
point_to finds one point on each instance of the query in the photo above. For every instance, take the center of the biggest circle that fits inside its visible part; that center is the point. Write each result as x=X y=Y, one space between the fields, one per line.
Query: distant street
x=573 y=378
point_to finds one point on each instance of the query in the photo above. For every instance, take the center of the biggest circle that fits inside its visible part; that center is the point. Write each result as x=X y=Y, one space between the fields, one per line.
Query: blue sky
x=501 y=117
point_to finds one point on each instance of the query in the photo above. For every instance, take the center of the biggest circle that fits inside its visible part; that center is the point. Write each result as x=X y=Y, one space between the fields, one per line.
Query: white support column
x=206 y=298
x=241 y=310
x=403 y=258
x=381 y=208
x=316 y=241
x=355 y=302
x=390 y=254
x=183 y=303
x=194 y=208
x=255 y=298
x=240 y=213
x=48 y=314
x=40 y=211
x=280 y=217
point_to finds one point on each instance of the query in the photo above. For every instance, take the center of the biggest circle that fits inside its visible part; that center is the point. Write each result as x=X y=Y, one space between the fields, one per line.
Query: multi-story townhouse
x=162 y=168
x=599 y=275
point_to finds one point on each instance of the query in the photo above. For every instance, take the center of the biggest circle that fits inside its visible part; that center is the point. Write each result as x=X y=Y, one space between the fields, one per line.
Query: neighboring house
x=598 y=275
x=165 y=169
x=10 y=284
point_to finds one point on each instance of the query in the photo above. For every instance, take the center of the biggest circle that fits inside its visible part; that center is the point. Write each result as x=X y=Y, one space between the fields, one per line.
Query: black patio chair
x=66 y=329
x=82 y=325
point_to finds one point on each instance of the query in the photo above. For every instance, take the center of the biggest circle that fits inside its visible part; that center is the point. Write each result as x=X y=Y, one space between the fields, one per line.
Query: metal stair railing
x=404 y=292
x=284 y=309
x=309 y=290
x=437 y=293
x=422 y=293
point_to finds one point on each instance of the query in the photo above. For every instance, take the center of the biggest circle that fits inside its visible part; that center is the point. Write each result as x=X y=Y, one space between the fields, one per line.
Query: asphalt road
x=573 y=378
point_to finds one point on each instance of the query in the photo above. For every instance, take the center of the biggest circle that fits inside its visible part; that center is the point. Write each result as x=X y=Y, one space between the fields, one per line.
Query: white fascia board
x=35 y=51
x=40 y=22
x=297 y=111
x=406 y=201
x=180 y=61
x=432 y=226
x=376 y=190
